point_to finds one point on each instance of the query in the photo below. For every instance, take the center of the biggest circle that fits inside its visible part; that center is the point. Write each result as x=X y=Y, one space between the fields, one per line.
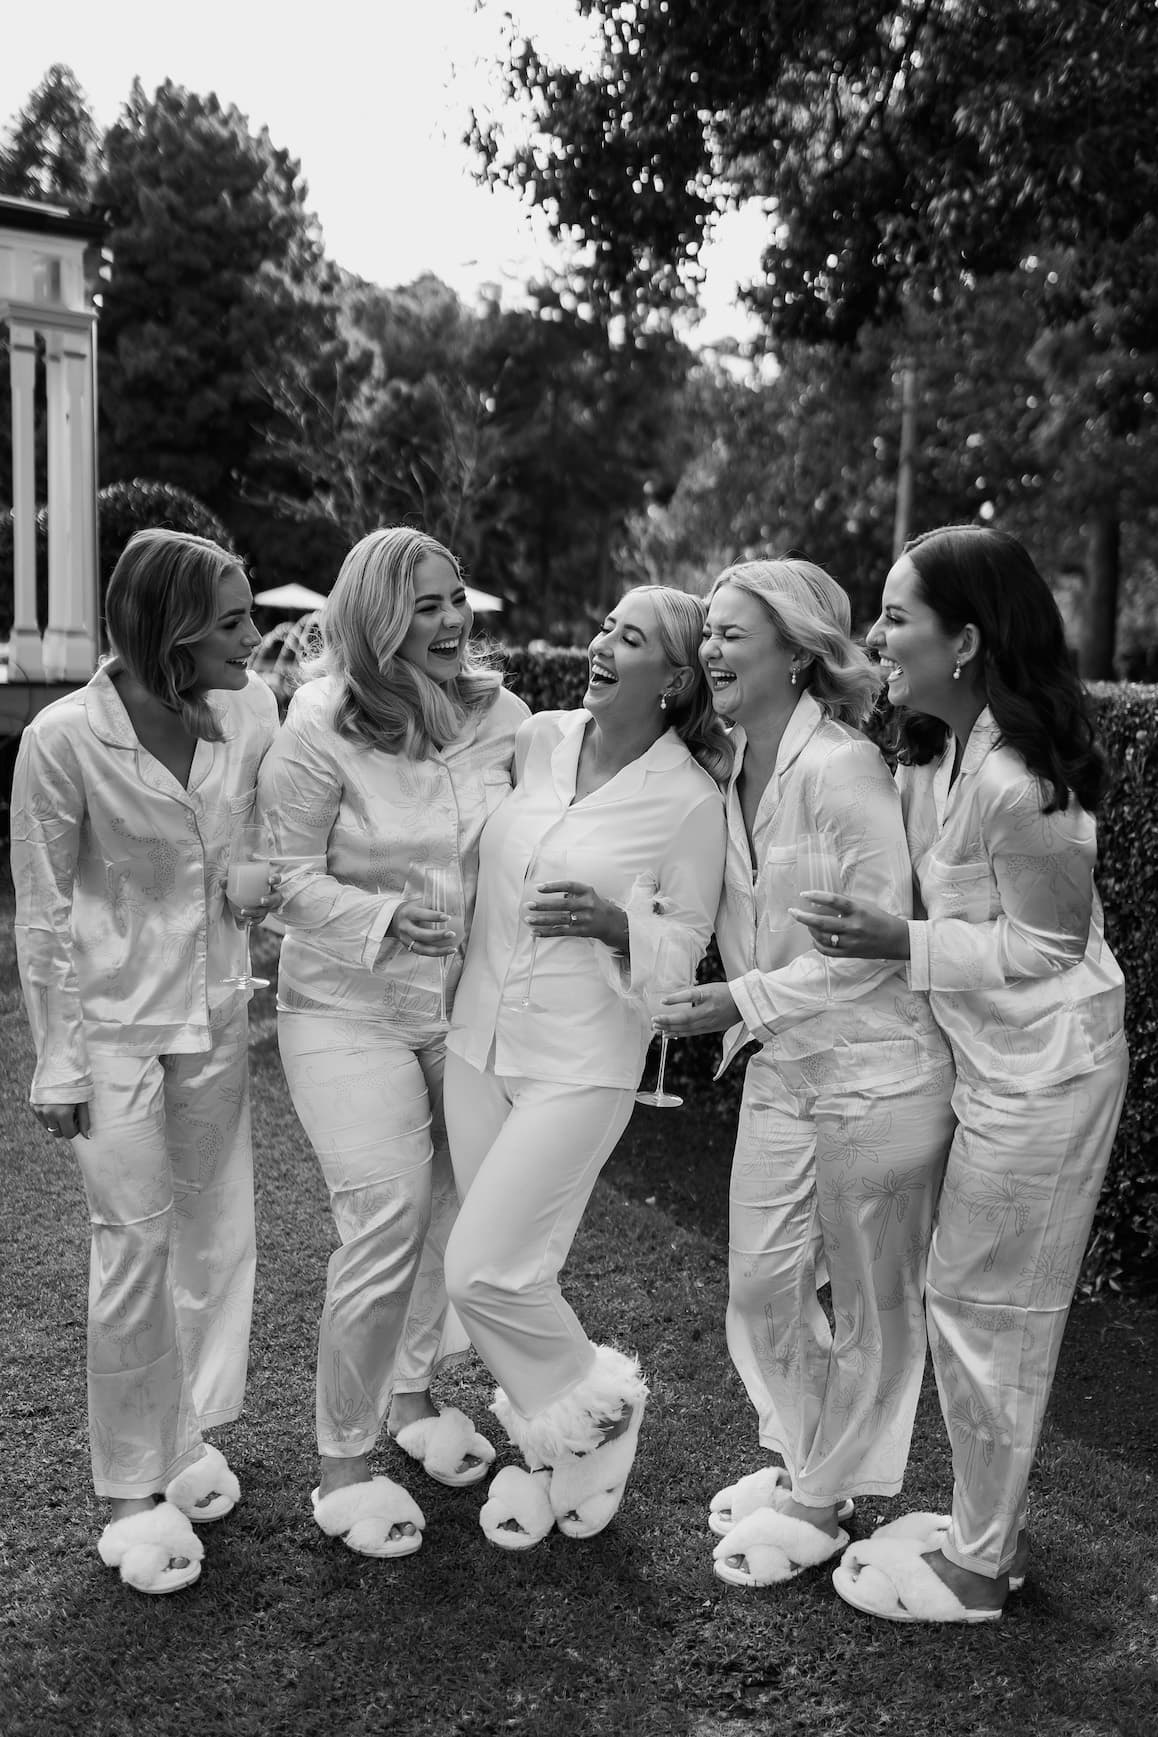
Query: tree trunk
x=1100 y=615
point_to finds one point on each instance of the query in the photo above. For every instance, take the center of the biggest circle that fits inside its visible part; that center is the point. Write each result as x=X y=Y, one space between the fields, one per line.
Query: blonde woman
x=389 y=763
x=612 y=841
x=125 y=800
x=845 y=1119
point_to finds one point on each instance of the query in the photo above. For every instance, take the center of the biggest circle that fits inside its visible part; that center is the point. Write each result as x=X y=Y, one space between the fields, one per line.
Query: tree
x=52 y=146
x=217 y=275
x=907 y=153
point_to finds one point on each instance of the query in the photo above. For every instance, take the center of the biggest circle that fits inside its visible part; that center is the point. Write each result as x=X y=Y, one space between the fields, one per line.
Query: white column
x=70 y=637
x=24 y=651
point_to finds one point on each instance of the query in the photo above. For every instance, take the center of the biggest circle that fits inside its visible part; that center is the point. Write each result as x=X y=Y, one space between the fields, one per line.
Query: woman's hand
x=63 y=1121
x=846 y=928
x=420 y=929
x=559 y=908
x=270 y=901
x=702 y=1008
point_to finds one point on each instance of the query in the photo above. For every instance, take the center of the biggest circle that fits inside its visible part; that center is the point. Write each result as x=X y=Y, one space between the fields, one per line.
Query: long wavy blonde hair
x=385 y=700
x=813 y=617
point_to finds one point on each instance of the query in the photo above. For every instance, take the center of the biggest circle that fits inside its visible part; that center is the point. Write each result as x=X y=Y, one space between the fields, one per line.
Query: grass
x=289 y=1633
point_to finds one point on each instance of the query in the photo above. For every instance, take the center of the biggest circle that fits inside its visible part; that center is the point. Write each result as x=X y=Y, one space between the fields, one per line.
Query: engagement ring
x=834 y=940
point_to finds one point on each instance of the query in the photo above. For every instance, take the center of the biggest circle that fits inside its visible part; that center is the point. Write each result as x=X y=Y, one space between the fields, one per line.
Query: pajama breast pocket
x=964 y=890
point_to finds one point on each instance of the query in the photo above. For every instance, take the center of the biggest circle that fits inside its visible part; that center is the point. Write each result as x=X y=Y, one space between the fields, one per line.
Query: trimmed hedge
x=1123 y=1248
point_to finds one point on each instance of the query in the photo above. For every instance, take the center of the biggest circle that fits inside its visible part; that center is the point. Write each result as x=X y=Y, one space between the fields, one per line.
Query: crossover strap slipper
x=448 y=1447
x=927 y=1532
x=206 y=1490
x=517 y=1512
x=586 y=1489
x=889 y=1577
x=146 y=1548
x=770 y=1546
x=763 y=1489
x=372 y=1517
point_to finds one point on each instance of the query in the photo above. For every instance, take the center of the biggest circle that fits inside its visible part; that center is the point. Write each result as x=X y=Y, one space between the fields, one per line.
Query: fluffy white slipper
x=143 y=1545
x=927 y=1531
x=766 y=1488
x=448 y=1447
x=770 y=1546
x=889 y=1577
x=586 y=1489
x=364 y=1515
x=206 y=1490
x=517 y=1512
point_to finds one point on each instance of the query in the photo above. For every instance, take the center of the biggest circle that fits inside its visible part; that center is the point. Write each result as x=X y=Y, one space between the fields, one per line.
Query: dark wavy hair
x=975 y=573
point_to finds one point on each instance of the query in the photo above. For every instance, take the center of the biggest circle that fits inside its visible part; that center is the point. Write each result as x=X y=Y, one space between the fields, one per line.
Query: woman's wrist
x=616 y=930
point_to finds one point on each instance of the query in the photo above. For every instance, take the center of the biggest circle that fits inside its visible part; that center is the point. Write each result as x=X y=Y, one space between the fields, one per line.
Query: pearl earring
x=792 y=677
x=663 y=702
x=956 y=672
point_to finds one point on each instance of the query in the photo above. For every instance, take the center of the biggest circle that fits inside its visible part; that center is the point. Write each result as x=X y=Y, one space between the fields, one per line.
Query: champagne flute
x=247 y=879
x=436 y=897
x=672 y=970
x=551 y=865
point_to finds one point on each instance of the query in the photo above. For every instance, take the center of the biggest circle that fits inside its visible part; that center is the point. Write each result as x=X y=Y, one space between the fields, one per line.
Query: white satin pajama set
x=124 y=939
x=1019 y=977
x=844 y=1123
x=537 y=1097
x=361 y=1037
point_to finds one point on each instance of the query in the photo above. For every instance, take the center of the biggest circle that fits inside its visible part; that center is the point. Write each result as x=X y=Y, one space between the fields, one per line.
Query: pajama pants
x=371 y=1104
x=1020 y=1190
x=168 y=1176
x=527 y=1154
x=838 y=1184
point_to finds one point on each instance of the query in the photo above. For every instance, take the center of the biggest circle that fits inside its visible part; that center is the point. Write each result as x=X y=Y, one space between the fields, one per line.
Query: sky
x=372 y=98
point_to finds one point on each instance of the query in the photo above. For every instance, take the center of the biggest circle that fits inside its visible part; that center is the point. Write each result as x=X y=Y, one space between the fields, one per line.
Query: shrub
x=1123 y=1249
x=122 y=509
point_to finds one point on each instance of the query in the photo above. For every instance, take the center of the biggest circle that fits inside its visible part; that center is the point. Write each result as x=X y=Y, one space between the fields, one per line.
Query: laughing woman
x=1000 y=774
x=845 y=1120
x=388 y=764
x=612 y=841
x=125 y=798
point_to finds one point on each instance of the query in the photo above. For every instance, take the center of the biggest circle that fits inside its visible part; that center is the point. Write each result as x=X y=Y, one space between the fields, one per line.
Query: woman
x=615 y=831
x=389 y=763
x=125 y=797
x=845 y=1119
x=1000 y=774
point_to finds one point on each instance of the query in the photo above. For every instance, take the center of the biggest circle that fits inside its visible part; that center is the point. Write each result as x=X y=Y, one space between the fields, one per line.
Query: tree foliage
x=53 y=145
x=214 y=249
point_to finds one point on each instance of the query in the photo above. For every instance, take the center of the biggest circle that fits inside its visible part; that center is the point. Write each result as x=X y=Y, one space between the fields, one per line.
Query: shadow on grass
x=288 y=1632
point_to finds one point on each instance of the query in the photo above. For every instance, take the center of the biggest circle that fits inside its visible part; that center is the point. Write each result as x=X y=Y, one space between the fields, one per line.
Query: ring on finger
x=834 y=939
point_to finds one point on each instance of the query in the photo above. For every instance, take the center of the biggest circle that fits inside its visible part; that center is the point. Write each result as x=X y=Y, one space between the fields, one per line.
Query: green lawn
x=288 y=1632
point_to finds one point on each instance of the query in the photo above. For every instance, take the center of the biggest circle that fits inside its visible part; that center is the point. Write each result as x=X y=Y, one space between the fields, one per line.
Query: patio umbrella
x=301 y=598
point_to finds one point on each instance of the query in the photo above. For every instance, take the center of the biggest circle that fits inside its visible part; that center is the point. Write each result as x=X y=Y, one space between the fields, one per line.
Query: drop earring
x=792 y=677
x=663 y=702
x=956 y=672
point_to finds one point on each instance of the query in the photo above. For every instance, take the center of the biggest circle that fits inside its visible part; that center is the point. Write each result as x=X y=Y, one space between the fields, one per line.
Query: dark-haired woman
x=389 y=763
x=1000 y=775
x=125 y=797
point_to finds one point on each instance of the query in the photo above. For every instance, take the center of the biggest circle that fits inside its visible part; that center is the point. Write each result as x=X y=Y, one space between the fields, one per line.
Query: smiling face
x=440 y=625
x=747 y=663
x=629 y=667
x=221 y=659
x=916 y=653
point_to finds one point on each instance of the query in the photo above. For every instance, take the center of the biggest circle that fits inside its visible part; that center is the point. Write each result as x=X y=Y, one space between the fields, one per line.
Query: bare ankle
x=339 y=1474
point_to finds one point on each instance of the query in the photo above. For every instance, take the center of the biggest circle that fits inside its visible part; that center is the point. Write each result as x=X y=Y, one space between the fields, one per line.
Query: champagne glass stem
x=663 y=1042
x=442 y=989
x=526 y=1000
